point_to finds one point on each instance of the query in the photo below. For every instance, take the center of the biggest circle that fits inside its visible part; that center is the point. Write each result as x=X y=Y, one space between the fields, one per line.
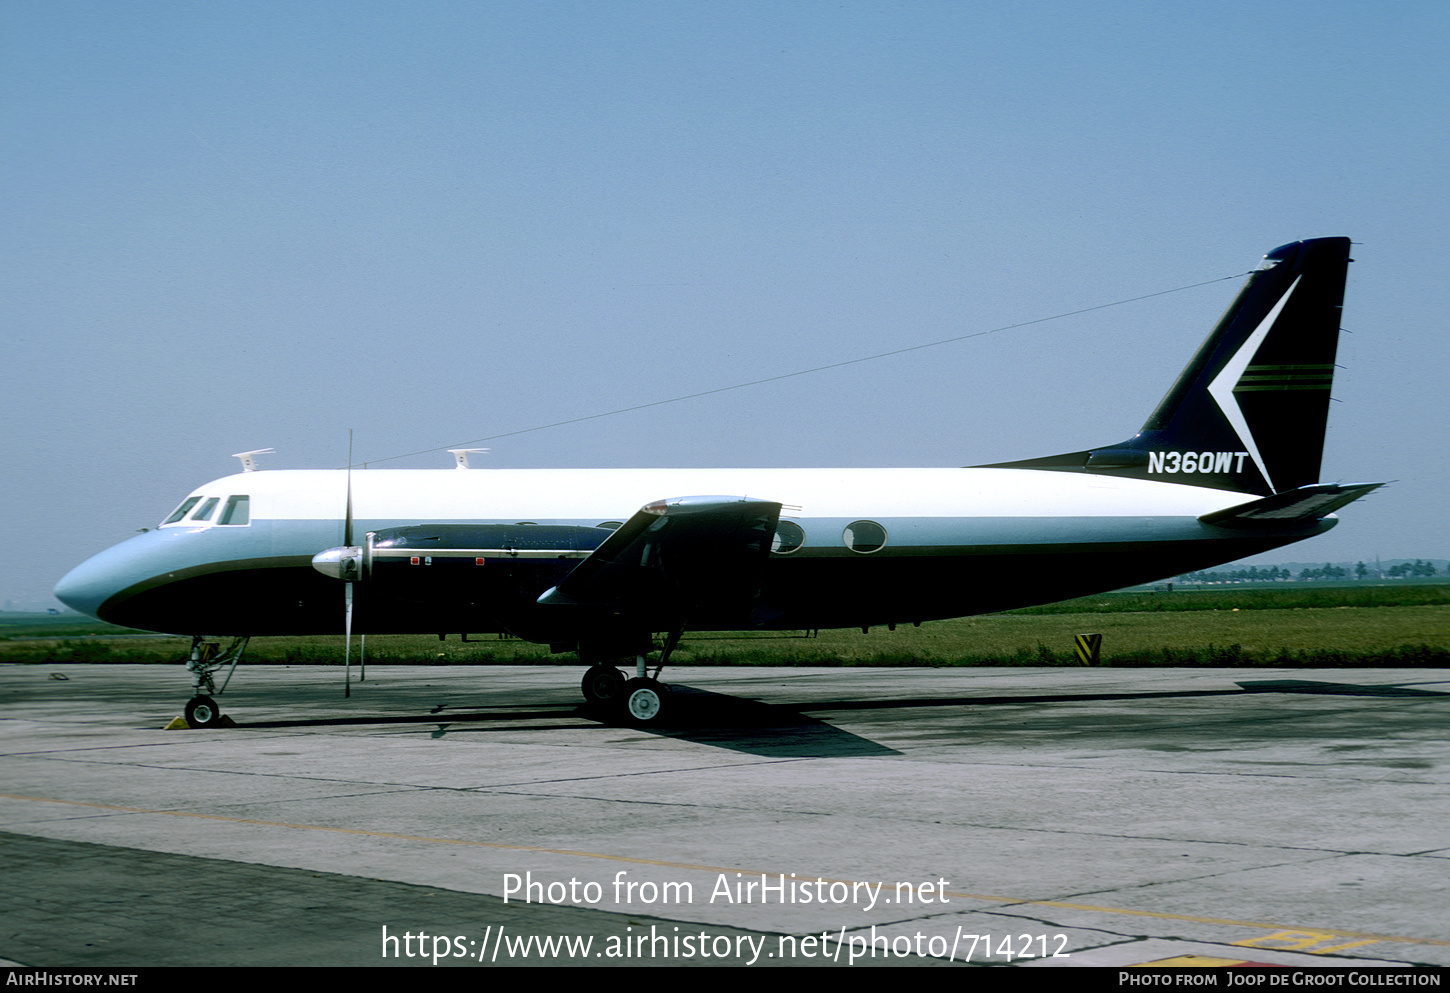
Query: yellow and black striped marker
x=1088 y=646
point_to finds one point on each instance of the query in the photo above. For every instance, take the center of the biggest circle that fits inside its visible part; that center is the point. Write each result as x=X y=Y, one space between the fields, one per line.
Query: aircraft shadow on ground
x=785 y=730
x=696 y=715
x=1339 y=689
x=774 y=730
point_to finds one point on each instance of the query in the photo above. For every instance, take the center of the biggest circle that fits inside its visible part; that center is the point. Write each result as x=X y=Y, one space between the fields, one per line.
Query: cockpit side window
x=205 y=512
x=237 y=510
x=181 y=511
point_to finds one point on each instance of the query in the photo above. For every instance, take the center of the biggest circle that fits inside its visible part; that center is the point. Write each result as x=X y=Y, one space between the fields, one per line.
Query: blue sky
x=237 y=226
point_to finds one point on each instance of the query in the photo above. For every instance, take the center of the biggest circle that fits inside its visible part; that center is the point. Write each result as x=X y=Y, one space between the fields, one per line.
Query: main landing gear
x=203 y=660
x=645 y=701
x=641 y=701
x=602 y=684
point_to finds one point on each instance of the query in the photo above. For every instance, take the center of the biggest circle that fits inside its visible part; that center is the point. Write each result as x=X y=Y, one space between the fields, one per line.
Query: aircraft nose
x=99 y=579
x=86 y=587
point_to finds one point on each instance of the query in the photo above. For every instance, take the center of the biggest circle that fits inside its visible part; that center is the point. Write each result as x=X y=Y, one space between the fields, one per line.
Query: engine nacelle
x=462 y=562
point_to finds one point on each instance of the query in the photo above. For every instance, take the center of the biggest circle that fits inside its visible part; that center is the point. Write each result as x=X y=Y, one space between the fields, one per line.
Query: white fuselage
x=943 y=542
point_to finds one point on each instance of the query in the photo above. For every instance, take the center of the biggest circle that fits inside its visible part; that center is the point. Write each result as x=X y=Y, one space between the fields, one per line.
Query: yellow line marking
x=1303 y=941
x=984 y=897
x=1226 y=920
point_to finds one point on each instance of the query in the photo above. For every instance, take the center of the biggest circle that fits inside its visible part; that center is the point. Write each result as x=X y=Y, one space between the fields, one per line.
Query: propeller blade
x=347 y=587
x=347 y=518
x=347 y=630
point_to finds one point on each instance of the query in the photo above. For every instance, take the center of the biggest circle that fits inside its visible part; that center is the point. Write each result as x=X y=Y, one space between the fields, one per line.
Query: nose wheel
x=202 y=712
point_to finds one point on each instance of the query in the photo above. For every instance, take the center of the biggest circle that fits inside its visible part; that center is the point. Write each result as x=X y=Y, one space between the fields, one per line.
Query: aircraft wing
x=1307 y=503
x=675 y=555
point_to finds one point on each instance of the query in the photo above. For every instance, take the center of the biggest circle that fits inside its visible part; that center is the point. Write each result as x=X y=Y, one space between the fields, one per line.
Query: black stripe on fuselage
x=286 y=596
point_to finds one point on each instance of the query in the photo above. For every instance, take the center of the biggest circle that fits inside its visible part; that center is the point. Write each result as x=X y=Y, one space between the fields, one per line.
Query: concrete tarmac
x=1031 y=817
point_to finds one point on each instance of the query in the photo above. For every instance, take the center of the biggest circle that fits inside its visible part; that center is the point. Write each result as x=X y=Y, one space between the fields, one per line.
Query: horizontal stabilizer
x=1307 y=503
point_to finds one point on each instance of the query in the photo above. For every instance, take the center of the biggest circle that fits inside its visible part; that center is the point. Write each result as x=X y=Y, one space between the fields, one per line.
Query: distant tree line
x=1274 y=574
x=1253 y=574
x=1406 y=569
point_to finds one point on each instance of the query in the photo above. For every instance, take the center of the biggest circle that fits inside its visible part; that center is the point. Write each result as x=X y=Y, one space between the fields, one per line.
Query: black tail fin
x=1248 y=413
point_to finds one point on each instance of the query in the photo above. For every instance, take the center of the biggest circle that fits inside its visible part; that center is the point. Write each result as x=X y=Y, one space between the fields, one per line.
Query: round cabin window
x=864 y=536
x=788 y=537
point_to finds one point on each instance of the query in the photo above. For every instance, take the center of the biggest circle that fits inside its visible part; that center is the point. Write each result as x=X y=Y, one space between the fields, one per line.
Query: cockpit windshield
x=182 y=511
x=236 y=512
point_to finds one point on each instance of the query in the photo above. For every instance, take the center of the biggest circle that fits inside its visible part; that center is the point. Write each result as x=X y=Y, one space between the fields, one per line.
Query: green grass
x=1264 y=597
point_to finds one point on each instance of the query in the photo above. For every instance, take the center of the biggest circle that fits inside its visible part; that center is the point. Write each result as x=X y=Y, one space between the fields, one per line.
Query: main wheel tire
x=644 y=702
x=602 y=684
x=203 y=712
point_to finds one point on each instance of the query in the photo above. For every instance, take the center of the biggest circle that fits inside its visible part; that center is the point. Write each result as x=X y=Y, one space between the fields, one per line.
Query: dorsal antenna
x=460 y=456
x=249 y=464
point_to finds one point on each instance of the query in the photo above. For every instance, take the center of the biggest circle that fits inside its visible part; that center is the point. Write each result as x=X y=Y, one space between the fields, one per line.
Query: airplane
x=1226 y=466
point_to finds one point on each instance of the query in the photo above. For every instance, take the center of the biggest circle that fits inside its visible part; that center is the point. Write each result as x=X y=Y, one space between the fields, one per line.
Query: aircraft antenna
x=460 y=456
x=249 y=464
x=819 y=368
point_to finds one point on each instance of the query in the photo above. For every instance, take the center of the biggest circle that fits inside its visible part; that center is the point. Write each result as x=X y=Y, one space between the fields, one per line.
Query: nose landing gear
x=203 y=660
